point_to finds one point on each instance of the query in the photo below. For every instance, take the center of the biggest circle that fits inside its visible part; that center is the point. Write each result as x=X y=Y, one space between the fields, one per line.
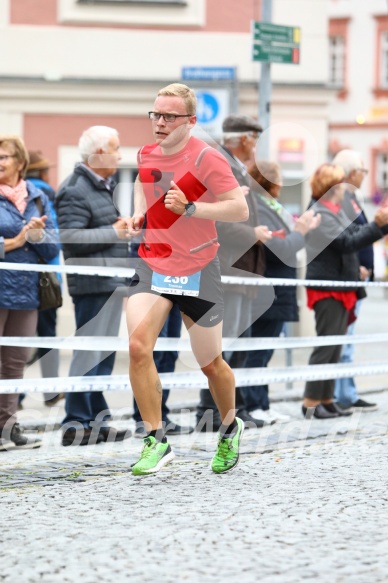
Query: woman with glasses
x=26 y=236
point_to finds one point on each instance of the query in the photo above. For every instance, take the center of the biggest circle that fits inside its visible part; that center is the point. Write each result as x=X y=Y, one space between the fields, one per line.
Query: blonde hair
x=19 y=150
x=324 y=178
x=180 y=90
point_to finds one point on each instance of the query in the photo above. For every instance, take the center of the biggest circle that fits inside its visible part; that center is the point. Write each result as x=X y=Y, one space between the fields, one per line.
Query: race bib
x=184 y=285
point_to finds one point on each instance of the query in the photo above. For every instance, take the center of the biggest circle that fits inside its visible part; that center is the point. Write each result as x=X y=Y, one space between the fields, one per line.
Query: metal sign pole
x=265 y=90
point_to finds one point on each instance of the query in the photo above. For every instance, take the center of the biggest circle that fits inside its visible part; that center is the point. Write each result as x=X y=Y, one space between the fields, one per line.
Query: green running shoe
x=154 y=456
x=227 y=455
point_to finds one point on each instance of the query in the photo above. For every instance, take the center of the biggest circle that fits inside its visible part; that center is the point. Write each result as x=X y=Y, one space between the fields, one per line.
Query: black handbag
x=50 y=294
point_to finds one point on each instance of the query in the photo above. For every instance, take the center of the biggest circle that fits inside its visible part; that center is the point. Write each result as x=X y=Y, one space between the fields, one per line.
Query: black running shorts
x=206 y=310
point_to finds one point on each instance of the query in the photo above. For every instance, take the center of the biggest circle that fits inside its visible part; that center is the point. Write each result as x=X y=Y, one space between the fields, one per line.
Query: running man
x=183 y=187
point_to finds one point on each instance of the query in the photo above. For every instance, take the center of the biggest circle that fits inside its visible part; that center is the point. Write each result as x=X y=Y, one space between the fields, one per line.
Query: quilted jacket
x=332 y=249
x=19 y=289
x=86 y=212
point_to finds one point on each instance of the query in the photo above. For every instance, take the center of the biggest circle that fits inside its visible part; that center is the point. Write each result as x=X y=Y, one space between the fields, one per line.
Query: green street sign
x=275 y=54
x=269 y=33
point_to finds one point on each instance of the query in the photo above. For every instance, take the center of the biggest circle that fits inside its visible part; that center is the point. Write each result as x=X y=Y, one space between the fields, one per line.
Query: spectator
x=92 y=231
x=351 y=162
x=26 y=236
x=38 y=172
x=332 y=255
x=288 y=237
x=240 y=249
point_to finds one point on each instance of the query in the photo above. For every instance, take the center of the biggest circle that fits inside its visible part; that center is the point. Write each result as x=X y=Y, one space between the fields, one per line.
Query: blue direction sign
x=209 y=73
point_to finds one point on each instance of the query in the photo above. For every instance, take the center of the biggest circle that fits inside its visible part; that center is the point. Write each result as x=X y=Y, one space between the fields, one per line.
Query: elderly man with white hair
x=93 y=233
x=353 y=165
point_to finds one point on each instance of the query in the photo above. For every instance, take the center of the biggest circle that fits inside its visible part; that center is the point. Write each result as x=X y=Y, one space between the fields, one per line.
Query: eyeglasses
x=5 y=157
x=363 y=170
x=168 y=117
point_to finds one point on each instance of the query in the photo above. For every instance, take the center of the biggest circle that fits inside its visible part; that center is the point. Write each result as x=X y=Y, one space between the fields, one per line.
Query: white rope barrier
x=194 y=379
x=190 y=379
x=109 y=343
x=103 y=271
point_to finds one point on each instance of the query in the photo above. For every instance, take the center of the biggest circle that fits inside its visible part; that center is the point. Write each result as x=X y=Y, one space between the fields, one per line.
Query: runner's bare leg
x=206 y=344
x=146 y=314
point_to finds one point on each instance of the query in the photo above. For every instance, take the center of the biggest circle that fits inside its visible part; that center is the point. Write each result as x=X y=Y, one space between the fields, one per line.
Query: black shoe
x=54 y=400
x=249 y=421
x=82 y=436
x=208 y=421
x=14 y=438
x=172 y=428
x=319 y=412
x=111 y=434
x=335 y=408
x=361 y=405
x=140 y=430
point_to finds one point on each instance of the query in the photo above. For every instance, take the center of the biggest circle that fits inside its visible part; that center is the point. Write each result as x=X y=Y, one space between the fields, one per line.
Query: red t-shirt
x=174 y=244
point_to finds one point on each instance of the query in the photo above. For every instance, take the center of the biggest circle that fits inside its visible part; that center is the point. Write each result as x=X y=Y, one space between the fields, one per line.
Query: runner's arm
x=231 y=205
x=135 y=223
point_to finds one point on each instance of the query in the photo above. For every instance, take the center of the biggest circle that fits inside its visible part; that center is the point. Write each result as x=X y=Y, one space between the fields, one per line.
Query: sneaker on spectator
x=170 y=427
x=249 y=421
x=54 y=400
x=270 y=416
x=361 y=405
x=15 y=439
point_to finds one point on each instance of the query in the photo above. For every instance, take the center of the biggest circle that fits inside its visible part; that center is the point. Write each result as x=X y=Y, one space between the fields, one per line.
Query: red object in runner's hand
x=281 y=233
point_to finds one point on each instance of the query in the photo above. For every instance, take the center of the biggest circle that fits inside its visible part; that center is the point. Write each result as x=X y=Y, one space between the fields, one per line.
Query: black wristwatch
x=190 y=209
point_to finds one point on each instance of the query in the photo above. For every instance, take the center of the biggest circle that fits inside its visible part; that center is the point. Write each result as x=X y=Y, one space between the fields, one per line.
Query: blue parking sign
x=207 y=107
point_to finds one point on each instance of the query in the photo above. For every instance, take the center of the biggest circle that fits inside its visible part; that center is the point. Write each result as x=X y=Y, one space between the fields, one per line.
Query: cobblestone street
x=308 y=502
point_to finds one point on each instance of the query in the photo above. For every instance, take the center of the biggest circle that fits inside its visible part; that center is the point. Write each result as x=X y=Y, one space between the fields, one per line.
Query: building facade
x=70 y=64
x=358 y=69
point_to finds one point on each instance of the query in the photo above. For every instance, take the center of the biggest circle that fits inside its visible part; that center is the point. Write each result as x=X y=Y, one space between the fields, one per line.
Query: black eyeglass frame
x=163 y=115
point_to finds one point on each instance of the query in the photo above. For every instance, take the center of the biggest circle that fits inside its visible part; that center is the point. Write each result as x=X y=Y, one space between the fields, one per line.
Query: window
x=132 y=2
x=381 y=56
x=382 y=171
x=160 y=13
x=384 y=60
x=338 y=58
x=337 y=61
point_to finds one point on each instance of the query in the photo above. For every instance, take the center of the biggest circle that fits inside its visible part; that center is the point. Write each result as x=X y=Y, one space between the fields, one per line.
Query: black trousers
x=331 y=318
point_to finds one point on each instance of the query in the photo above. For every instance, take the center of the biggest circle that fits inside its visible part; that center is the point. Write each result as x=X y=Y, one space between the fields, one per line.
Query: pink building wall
x=221 y=15
x=48 y=132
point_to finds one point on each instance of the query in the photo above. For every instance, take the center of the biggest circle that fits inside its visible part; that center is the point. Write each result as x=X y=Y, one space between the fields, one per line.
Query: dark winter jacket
x=86 y=213
x=19 y=289
x=332 y=249
x=355 y=213
x=280 y=256
x=238 y=248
